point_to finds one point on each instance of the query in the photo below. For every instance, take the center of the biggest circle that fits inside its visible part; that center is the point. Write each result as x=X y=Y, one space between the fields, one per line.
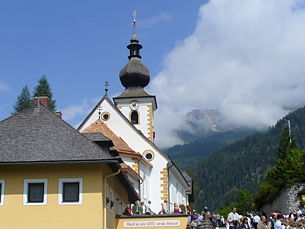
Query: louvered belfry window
x=71 y=192
x=35 y=192
x=134 y=117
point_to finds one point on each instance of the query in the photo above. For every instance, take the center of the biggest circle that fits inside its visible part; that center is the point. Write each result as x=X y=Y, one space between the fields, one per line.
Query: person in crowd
x=188 y=210
x=176 y=208
x=193 y=215
x=262 y=223
x=233 y=219
x=136 y=208
x=142 y=208
x=164 y=208
x=128 y=210
x=270 y=224
x=278 y=222
x=245 y=223
x=148 y=210
x=200 y=220
x=222 y=220
x=256 y=219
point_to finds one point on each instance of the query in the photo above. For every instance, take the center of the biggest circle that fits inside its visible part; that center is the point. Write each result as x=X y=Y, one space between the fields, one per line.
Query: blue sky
x=79 y=45
x=244 y=58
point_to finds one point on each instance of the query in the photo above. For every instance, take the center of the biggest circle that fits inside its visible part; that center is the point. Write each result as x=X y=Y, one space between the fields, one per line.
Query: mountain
x=199 y=124
x=241 y=165
x=187 y=154
x=205 y=132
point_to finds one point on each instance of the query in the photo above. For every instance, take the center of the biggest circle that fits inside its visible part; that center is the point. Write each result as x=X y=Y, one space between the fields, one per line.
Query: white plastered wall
x=177 y=189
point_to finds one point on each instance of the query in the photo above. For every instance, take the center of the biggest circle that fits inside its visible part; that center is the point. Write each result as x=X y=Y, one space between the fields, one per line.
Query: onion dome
x=134 y=73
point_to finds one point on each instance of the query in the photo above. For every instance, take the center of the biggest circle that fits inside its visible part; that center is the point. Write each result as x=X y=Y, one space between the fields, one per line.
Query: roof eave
x=115 y=160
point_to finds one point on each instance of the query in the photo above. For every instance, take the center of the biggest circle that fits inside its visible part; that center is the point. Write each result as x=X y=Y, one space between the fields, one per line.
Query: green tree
x=286 y=143
x=43 y=89
x=24 y=100
x=244 y=202
x=287 y=172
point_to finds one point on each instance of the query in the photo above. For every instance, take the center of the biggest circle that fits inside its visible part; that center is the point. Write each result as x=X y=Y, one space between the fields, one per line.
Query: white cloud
x=76 y=111
x=245 y=58
x=149 y=22
x=4 y=87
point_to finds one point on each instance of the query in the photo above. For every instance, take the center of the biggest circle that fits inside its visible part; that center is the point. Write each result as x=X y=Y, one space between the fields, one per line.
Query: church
x=128 y=121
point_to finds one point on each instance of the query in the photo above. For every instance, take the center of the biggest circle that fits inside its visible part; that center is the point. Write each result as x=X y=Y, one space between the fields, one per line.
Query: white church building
x=128 y=122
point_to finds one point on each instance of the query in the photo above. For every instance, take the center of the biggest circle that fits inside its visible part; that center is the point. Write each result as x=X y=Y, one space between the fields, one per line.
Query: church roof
x=119 y=144
x=38 y=135
x=96 y=137
x=134 y=92
x=126 y=168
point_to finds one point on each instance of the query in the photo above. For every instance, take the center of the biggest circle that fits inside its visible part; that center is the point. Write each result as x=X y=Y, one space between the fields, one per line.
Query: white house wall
x=145 y=173
x=177 y=190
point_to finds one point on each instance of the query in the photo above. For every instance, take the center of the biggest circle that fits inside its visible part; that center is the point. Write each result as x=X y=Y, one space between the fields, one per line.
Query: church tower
x=136 y=104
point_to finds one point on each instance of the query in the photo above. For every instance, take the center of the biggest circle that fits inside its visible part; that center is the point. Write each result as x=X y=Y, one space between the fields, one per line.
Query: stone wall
x=287 y=200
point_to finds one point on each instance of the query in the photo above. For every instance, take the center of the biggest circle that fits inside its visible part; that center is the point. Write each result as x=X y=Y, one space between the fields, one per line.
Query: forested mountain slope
x=187 y=154
x=242 y=164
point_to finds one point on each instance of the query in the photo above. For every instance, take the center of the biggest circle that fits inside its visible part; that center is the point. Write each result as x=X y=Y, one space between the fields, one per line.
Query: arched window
x=134 y=117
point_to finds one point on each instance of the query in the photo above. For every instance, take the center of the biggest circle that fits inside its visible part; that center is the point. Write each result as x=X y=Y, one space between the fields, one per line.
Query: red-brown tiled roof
x=119 y=144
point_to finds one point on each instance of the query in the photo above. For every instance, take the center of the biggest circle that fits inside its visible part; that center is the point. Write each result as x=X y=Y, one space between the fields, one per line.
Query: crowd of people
x=251 y=220
x=277 y=220
x=140 y=208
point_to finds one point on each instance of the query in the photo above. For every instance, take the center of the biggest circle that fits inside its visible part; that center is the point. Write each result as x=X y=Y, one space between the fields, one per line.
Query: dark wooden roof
x=38 y=135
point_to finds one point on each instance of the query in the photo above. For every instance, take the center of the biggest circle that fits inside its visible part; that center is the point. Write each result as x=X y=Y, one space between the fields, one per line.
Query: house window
x=105 y=116
x=134 y=117
x=2 y=184
x=70 y=191
x=35 y=192
x=149 y=155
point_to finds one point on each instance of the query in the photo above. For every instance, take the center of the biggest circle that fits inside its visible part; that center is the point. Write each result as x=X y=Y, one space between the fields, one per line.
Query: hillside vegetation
x=186 y=155
x=241 y=165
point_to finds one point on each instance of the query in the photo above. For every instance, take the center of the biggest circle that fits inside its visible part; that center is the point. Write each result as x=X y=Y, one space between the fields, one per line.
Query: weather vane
x=134 y=14
x=106 y=87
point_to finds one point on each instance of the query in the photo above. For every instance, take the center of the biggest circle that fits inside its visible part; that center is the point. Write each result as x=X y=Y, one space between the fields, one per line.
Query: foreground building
x=51 y=176
x=129 y=123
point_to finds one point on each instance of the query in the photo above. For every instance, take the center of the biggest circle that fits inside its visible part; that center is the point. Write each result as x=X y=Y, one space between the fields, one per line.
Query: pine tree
x=23 y=101
x=43 y=89
x=287 y=143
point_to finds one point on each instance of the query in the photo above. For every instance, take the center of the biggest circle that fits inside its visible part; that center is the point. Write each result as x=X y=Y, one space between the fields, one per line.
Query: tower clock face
x=134 y=105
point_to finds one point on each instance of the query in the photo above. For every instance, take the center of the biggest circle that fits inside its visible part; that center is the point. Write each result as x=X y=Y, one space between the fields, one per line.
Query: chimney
x=44 y=100
x=58 y=114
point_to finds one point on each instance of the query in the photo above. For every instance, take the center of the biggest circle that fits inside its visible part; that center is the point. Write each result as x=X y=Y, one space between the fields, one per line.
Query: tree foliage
x=288 y=171
x=24 y=100
x=244 y=203
x=242 y=165
x=286 y=143
x=43 y=89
